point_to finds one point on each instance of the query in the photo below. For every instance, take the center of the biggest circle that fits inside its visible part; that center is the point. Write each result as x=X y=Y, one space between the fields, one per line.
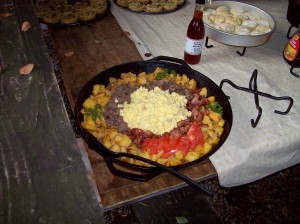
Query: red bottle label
x=292 y=48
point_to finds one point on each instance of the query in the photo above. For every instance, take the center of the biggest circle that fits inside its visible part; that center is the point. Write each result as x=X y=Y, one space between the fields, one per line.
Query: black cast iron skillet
x=143 y=173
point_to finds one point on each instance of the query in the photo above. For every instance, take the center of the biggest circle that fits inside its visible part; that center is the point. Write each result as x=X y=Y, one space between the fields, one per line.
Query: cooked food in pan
x=236 y=20
x=162 y=116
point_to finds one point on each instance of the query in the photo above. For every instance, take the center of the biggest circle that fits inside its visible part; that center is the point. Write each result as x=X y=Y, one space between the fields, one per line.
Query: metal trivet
x=210 y=46
x=293 y=66
x=253 y=89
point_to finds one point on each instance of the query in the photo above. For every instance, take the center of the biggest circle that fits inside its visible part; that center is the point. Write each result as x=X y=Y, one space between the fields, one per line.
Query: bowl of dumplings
x=237 y=24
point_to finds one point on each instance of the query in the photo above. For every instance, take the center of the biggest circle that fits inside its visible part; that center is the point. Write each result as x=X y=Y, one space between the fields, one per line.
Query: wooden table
x=94 y=48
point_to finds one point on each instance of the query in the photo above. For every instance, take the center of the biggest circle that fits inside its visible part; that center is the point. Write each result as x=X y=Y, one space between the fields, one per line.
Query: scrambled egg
x=156 y=110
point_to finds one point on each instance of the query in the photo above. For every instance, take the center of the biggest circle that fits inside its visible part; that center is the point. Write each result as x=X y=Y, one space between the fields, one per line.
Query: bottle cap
x=202 y=2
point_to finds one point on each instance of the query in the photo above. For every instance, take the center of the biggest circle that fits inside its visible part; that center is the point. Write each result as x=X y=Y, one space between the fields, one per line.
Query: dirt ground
x=274 y=199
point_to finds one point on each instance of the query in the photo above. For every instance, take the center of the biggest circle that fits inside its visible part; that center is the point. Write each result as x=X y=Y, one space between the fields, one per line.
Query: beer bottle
x=195 y=35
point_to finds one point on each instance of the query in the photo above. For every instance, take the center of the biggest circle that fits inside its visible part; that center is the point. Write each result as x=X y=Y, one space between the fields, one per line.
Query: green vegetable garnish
x=173 y=72
x=216 y=107
x=162 y=74
x=94 y=112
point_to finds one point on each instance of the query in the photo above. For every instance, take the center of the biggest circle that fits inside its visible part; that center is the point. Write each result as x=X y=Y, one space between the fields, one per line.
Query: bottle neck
x=198 y=13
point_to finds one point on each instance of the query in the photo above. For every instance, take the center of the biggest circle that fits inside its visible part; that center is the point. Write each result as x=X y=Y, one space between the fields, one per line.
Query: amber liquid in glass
x=291 y=53
x=196 y=32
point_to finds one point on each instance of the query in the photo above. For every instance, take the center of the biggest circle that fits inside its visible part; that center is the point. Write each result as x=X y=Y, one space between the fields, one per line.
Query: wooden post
x=42 y=175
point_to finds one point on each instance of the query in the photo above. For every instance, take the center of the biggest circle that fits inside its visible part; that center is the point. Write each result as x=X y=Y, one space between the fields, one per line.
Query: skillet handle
x=111 y=157
x=139 y=177
x=162 y=167
x=171 y=59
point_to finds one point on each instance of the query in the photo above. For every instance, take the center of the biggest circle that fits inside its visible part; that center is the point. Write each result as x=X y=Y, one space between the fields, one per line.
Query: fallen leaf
x=25 y=26
x=91 y=175
x=6 y=14
x=68 y=54
x=25 y=70
x=182 y=220
x=148 y=54
x=127 y=33
x=285 y=211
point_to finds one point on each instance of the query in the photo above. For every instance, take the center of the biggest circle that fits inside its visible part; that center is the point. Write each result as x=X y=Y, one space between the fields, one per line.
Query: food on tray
x=99 y=6
x=64 y=8
x=87 y=14
x=154 y=7
x=249 y=24
x=79 y=6
x=51 y=17
x=162 y=116
x=97 y=1
x=217 y=19
x=242 y=30
x=169 y=6
x=59 y=11
x=263 y=22
x=227 y=27
x=144 y=1
x=68 y=17
x=208 y=12
x=251 y=16
x=241 y=22
x=136 y=6
x=236 y=11
x=234 y=20
x=42 y=3
x=124 y=3
x=54 y=3
x=150 y=6
x=263 y=28
x=42 y=11
x=222 y=10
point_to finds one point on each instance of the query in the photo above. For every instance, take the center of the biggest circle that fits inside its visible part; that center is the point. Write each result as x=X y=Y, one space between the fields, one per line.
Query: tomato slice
x=173 y=142
x=153 y=146
x=169 y=153
x=183 y=145
x=162 y=144
x=195 y=136
x=150 y=144
x=146 y=144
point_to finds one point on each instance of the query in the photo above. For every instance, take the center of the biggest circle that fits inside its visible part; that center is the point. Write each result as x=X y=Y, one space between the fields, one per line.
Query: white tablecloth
x=249 y=153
